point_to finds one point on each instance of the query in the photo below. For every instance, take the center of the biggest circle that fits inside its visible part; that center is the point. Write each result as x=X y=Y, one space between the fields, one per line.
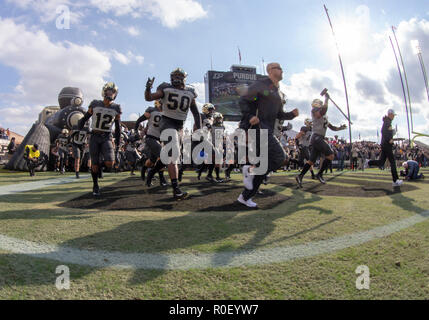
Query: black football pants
x=386 y=153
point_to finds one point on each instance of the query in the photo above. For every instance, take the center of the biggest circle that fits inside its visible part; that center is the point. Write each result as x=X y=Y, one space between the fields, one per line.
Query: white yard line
x=28 y=186
x=102 y=259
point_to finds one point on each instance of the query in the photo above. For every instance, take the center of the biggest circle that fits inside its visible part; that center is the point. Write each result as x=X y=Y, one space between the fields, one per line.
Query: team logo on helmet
x=158 y=104
x=178 y=77
x=112 y=87
x=208 y=108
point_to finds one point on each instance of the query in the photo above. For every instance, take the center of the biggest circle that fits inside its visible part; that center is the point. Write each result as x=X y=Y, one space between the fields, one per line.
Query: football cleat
x=179 y=195
x=77 y=175
x=397 y=183
x=218 y=180
x=249 y=203
x=96 y=191
x=162 y=181
x=210 y=179
x=149 y=178
x=319 y=176
x=298 y=179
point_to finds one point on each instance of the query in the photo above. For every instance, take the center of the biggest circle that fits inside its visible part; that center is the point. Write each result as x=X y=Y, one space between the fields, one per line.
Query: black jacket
x=386 y=131
x=266 y=101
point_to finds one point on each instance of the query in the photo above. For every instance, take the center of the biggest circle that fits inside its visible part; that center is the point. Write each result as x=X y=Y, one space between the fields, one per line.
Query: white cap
x=391 y=111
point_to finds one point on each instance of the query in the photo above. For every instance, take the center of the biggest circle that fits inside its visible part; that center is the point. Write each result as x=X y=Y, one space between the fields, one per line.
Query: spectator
x=11 y=148
x=411 y=170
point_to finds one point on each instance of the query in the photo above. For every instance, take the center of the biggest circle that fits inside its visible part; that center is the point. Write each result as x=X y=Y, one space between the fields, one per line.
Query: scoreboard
x=223 y=89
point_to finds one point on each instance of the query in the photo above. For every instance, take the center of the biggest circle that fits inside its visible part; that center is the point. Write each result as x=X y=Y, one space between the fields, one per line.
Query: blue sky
x=129 y=40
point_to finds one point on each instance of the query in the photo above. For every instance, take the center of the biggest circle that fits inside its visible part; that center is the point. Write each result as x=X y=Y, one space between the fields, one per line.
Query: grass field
x=137 y=243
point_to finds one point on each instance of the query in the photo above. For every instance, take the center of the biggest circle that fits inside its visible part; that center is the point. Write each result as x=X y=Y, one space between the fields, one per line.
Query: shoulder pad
x=191 y=89
x=149 y=109
x=162 y=86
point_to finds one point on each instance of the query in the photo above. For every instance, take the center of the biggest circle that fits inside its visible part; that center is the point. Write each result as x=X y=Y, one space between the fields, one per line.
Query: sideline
x=159 y=261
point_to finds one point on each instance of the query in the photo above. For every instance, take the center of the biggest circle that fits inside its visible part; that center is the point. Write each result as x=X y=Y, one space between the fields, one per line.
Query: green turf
x=308 y=214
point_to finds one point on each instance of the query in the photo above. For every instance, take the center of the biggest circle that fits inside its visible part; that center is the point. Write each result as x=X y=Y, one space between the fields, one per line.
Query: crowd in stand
x=4 y=133
x=355 y=156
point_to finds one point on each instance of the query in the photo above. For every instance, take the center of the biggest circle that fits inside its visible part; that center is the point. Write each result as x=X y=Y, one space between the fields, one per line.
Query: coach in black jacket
x=387 y=134
x=260 y=106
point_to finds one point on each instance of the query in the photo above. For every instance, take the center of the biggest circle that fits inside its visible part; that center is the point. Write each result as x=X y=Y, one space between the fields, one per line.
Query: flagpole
x=402 y=83
x=342 y=72
x=406 y=81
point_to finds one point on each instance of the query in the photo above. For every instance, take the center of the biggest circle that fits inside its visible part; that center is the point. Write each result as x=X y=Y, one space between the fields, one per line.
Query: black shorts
x=152 y=149
x=101 y=147
x=77 y=151
x=305 y=153
x=319 y=147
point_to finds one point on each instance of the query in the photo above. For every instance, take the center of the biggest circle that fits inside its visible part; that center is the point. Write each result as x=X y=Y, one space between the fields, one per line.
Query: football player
x=303 y=141
x=217 y=131
x=318 y=144
x=78 y=139
x=104 y=112
x=62 y=143
x=152 y=143
x=208 y=111
x=176 y=99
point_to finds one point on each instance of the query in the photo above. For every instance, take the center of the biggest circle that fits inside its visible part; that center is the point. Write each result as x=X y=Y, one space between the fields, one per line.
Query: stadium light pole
x=406 y=81
x=402 y=83
x=342 y=72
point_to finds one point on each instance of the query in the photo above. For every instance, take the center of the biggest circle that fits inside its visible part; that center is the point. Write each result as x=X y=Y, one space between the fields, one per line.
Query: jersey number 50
x=174 y=103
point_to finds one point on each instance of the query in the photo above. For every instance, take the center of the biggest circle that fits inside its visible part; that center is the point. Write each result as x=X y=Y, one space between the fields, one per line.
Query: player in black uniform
x=177 y=99
x=208 y=111
x=63 y=142
x=78 y=139
x=152 y=149
x=104 y=112
x=303 y=142
x=217 y=130
x=318 y=145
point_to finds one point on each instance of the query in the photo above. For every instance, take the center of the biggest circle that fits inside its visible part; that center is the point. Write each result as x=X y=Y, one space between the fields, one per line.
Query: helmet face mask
x=109 y=91
x=208 y=109
x=218 y=118
x=178 y=77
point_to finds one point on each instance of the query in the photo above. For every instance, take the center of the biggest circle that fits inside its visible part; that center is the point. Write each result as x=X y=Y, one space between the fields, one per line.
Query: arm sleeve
x=82 y=121
x=117 y=133
x=285 y=115
x=196 y=114
x=140 y=120
x=334 y=128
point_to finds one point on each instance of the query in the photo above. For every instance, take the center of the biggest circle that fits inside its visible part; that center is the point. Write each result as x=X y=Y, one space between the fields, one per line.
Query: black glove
x=149 y=83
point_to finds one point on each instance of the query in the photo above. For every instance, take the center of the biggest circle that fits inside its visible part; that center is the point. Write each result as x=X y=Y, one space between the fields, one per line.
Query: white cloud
x=133 y=31
x=44 y=68
x=372 y=79
x=170 y=12
x=133 y=117
x=127 y=58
